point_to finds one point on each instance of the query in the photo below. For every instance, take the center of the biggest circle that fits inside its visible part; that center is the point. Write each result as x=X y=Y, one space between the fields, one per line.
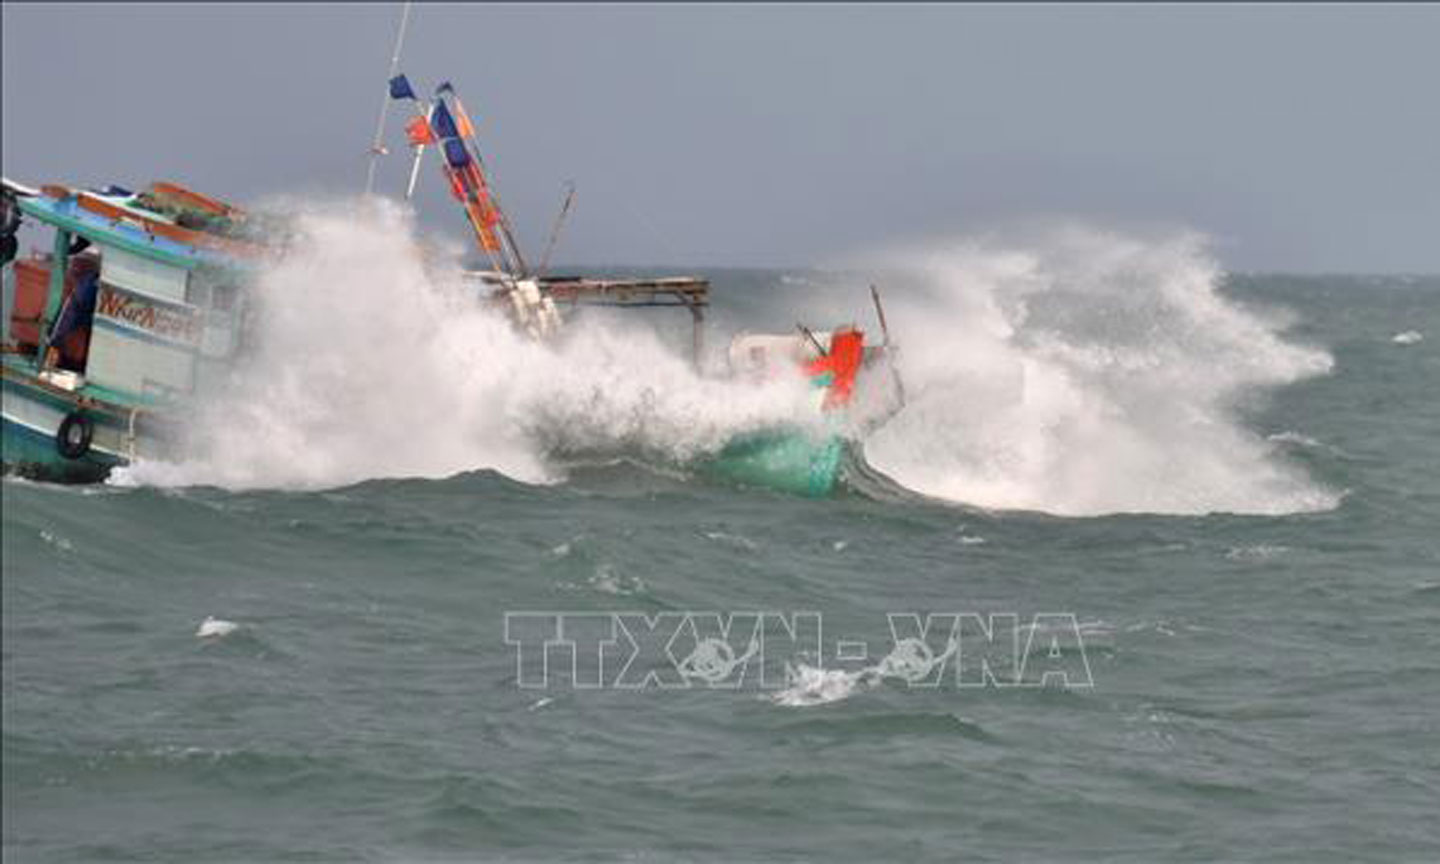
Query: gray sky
x=1300 y=138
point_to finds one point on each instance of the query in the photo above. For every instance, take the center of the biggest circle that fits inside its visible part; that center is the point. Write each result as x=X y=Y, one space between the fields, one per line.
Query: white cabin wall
x=143 y=276
x=136 y=365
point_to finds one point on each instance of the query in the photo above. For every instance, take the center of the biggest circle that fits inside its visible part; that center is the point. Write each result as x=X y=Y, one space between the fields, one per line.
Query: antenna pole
x=414 y=172
x=377 y=148
x=415 y=165
x=555 y=229
x=880 y=311
x=810 y=334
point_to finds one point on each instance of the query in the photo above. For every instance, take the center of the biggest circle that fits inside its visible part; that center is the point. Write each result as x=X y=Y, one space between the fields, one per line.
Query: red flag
x=489 y=214
x=476 y=179
x=419 y=132
x=479 y=217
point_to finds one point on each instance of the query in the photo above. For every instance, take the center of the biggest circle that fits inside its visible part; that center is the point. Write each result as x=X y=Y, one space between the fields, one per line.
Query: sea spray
x=1087 y=373
x=367 y=363
x=1080 y=373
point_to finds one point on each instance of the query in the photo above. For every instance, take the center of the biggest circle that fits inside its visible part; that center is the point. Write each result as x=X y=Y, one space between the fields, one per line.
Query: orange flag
x=462 y=121
x=419 y=132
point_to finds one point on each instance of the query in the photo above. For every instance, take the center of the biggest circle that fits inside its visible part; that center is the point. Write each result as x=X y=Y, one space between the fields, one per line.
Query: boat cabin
x=134 y=307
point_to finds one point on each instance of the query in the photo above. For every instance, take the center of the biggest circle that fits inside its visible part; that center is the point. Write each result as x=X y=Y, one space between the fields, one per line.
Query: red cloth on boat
x=847 y=351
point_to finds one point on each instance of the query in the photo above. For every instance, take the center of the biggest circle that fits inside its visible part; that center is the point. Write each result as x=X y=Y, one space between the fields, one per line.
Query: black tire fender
x=73 y=437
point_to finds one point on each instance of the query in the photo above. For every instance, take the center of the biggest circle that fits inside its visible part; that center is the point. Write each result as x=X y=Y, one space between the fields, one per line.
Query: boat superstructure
x=137 y=305
x=807 y=458
x=135 y=308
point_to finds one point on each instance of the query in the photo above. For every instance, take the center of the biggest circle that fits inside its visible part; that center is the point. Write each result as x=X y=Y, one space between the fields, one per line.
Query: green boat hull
x=32 y=414
x=782 y=459
x=28 y=453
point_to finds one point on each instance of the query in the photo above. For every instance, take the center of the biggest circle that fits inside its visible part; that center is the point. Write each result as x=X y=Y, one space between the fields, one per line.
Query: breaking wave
x=1079 y=374
x=369 y=362
x=1088 y=373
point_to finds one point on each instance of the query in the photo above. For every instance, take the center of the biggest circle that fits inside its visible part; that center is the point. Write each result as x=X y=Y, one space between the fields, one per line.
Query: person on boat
x=70 y=338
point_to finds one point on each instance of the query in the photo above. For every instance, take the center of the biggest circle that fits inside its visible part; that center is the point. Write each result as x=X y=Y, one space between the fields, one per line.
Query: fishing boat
x=801 y=458
x=807 y=458
x=139 y=310
x=109 y=336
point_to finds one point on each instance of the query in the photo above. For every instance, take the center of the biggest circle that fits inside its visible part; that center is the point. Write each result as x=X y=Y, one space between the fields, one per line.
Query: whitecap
x=1083 y=373
x=810 y=685
x=1256 y=552
x=738 y=540
x=57 y=541
x=606 y=580
x=215 y=628
x=472 y=394
x=1290 y=437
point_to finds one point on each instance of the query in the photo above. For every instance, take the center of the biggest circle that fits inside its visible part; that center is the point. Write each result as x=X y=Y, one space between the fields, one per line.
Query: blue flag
x=455 y=153
x=443 y=123
x=400 y=88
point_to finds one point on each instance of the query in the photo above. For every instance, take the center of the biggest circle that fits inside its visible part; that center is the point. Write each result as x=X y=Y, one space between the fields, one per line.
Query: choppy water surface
x=1232 y=483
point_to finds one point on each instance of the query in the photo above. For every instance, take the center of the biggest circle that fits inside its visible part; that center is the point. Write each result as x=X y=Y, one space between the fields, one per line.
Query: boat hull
x=30 y=451
x=787 y=460
x=33 y=413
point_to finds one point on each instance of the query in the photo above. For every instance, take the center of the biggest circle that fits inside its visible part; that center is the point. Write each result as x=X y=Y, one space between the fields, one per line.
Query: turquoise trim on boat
x=66 y=215
x=31 y=453
x=788 y=460
x=21 y=372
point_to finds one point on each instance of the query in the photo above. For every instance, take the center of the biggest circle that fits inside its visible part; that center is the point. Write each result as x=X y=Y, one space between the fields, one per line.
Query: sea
x=1146 y=568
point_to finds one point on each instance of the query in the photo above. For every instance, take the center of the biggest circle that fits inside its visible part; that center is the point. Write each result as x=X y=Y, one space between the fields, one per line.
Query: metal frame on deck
x=688 y=292
x=685 y=292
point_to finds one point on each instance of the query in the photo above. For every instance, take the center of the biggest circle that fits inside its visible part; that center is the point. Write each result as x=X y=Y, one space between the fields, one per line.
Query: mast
x=471 y=141
x=415 y=164
x=377 y=149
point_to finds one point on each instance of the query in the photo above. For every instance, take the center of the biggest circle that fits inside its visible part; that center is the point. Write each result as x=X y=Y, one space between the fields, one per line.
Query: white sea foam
x=1083 y=373
x=810 y=685
x=215 y=628
x=1086 y=373
x=607 y=580
x=57 y=541
x=738 y=541
x=1256 y=552
x=1409 y=337
x=369 y=365
x=1289 y=437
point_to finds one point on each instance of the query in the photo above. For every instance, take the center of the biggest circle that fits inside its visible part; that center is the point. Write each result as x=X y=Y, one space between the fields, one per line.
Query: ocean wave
x=1084 y=373
x=371 y=361
x=1078 y=374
